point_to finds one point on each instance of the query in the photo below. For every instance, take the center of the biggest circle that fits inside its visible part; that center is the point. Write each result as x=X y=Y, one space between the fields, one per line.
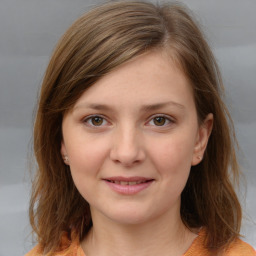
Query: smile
x=128 y=186
x=130 y=183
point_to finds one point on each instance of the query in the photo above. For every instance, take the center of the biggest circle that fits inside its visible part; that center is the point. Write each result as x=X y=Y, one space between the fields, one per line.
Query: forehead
x=146 y=79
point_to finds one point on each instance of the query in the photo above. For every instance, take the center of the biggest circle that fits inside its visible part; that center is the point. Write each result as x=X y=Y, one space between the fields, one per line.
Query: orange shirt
x=237 y=248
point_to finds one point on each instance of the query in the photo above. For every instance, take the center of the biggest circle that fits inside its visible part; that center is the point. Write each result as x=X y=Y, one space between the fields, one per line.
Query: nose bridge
x=127 y=148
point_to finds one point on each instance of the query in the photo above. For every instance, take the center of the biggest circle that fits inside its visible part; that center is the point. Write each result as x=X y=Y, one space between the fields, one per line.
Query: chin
x=128 y=216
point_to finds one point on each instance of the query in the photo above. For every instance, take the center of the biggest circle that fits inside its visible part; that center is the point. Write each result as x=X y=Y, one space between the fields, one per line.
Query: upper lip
x=128 y=179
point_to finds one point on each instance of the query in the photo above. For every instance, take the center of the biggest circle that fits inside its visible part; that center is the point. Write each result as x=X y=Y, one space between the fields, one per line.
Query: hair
x=95 y=45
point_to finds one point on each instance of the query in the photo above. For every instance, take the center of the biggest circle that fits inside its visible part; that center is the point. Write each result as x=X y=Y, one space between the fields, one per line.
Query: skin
x=138 y=121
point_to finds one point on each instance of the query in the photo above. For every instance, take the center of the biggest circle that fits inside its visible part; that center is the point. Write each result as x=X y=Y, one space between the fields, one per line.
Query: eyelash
x=167 y=120
x=88 y=120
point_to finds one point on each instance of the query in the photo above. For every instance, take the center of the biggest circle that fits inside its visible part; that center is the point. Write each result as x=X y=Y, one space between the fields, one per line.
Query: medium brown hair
x=95 y=45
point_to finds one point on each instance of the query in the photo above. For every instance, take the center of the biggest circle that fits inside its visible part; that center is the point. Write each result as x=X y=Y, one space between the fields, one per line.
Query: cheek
x=86 y=155
x=86 y=159
x=172 y=161
x=173 y=156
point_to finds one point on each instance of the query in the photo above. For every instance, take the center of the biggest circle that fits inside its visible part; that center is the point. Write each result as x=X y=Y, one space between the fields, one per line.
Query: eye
x=160 y=121
x=95 y=121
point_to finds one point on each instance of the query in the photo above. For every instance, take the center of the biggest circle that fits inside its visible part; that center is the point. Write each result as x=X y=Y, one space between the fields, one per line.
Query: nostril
x=127 y=158
x=127 y=148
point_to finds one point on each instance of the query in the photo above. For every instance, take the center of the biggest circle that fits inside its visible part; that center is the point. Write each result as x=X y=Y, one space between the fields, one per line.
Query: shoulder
x=36 y=251
x=73 y=249
x=67 y=248
x=236 y=248
x=240 y=248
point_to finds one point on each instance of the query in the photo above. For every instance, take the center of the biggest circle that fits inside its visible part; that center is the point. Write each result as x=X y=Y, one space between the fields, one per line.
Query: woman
x=134 y=145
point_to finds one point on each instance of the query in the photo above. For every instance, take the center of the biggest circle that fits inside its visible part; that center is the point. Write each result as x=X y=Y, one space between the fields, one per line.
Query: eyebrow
x=146 y=108
x=94 y=106
x=156 y=106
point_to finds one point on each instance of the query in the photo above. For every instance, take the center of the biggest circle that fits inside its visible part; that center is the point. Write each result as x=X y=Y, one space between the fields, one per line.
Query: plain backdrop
x=29 y=30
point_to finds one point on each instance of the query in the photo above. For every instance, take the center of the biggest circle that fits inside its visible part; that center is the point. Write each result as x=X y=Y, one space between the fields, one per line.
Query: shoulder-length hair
x=95 y=45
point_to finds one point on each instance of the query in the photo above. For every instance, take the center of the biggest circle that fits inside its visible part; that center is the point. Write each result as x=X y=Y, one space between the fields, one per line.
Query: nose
x=127 y=148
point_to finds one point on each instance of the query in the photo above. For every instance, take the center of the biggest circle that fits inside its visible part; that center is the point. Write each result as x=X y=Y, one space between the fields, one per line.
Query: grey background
x=29 y=30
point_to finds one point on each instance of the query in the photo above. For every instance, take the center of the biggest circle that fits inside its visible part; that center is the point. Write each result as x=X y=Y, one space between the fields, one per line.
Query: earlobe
x=204 y=133
x=64 y=153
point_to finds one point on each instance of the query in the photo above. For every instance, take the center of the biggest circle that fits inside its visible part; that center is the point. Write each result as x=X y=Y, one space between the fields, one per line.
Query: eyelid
x=85 y=120
x=168 y=118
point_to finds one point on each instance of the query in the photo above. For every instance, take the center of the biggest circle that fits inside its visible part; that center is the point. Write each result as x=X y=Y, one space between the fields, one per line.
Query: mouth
x=128 y=180
x=128 y=185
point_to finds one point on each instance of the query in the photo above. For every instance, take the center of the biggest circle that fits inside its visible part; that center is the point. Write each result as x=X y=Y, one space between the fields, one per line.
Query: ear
x=203 y=135
x=64 y=154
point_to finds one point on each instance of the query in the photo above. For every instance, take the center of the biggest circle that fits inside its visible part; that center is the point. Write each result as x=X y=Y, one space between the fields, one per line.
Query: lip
x=128 y=189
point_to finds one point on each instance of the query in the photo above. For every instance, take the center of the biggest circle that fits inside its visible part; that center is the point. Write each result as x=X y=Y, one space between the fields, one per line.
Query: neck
x=162 y=236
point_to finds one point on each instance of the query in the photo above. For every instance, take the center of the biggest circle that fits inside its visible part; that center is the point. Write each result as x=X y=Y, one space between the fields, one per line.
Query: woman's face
x=131 y=140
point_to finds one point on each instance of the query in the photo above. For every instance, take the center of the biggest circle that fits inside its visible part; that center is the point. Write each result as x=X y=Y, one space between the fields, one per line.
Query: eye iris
x=97 y=121
x=159 y=121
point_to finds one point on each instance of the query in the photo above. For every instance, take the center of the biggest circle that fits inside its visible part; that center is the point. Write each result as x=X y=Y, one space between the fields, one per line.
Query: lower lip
x=128 y=189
